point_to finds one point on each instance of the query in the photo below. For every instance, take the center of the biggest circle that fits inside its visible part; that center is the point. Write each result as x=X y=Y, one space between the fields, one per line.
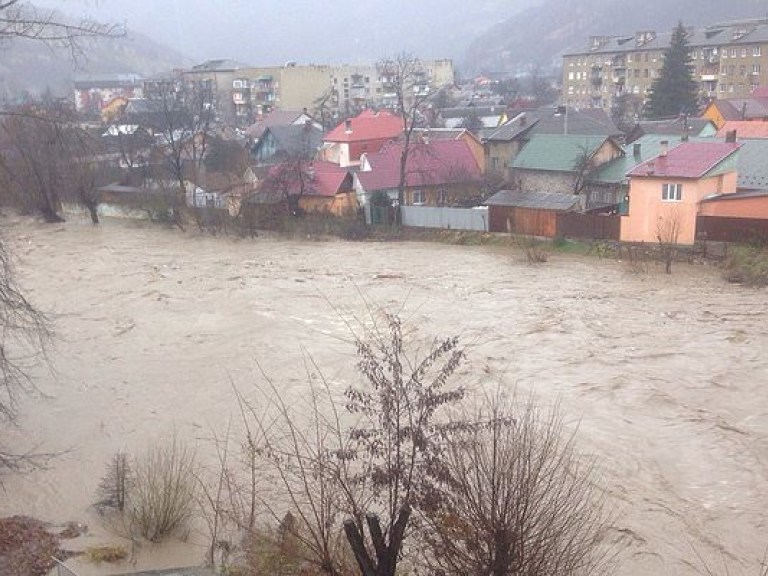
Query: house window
x=671 y=192
x=743 y=52
x=755 y=68
x=418 y=198
x=442 y=197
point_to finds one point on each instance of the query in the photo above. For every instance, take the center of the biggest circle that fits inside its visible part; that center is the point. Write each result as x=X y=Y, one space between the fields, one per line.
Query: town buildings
x=245 y=93
x=730 y=60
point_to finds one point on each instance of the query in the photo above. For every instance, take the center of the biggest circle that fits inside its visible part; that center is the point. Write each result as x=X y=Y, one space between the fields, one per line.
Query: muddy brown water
x=666 y=376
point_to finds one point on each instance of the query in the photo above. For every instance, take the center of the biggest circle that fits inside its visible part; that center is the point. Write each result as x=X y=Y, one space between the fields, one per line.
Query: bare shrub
x=536 y=251
x=116 y=483
x=518 y=497
x=637 y=259
x=162 y=498
x=667 y=233
x=747 y=265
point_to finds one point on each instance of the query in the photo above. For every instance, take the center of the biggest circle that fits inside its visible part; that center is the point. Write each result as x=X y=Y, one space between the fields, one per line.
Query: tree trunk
x=387 y=554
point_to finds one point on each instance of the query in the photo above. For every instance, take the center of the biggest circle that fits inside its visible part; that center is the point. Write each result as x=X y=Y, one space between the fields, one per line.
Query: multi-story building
x=729 y=60
x=245 y=93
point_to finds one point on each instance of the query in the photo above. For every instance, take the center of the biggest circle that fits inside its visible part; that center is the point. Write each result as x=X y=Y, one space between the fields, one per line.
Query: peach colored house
x=751 y=204
x=666 y=192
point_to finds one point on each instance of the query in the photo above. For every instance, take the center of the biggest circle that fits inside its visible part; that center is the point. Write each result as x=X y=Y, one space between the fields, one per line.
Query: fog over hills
x=493 y=36
x=268 y=32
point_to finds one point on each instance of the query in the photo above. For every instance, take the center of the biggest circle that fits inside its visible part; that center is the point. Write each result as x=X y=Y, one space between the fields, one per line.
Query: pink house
x=665 y=193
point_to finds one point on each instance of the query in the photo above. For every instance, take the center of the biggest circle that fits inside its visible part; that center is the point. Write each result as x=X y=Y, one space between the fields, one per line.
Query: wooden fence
x=553 y=224
x=723 y=229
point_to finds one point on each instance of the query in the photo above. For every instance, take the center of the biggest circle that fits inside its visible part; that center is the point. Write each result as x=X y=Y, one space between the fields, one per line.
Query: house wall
x=342 y=204
x=453 y=194
x=649 y=215
x=499 y=157
x=713 y=113
x=756 y=208
x=477 y=149
x=545 y=181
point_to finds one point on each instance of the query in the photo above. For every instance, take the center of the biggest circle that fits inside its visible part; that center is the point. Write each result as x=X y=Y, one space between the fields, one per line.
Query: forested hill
x=541 y=34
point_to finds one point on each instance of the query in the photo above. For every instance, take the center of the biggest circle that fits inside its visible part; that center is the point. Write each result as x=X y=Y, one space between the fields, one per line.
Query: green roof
x=556 y=152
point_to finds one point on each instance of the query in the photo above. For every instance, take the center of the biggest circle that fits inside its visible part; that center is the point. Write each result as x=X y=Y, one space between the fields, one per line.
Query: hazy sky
x=274 y=31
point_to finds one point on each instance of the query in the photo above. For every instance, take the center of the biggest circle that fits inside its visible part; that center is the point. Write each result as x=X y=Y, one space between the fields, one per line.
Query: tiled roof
x=674 y=126
x=688 y=160
x=328 y=179
x=297 y=138
x=753 y=167
x=742 y=108
x=556 y=152
x=536 y=200
x=368 y=125
x=437 y=163
x=589 y=121
x=274 y=118
x=745 y=128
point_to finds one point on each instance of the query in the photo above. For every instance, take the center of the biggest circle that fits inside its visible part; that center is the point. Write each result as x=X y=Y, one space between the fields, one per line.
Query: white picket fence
x=446 y=218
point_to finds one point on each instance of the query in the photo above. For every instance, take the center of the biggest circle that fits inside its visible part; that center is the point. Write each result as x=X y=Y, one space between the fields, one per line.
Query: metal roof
x=557 y=152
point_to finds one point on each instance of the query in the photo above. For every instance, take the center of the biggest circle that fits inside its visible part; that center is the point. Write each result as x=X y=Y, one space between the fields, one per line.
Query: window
x=755 y=68
x=722 y=87
x=671 y=192
x=442 y=197
x=733 y=52
x=743 y=52
x=756 y=51
x=418 y=198
x=725 y=53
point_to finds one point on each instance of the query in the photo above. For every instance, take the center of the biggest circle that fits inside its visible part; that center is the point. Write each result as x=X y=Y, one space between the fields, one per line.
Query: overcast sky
x=275 y=31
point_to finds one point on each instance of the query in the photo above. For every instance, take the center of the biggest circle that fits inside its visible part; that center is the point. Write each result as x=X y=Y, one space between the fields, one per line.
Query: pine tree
x=674 y=91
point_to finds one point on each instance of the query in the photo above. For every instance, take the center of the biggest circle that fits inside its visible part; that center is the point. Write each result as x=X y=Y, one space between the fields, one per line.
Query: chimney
x=636 y=147
x=348 y=126
x=664 y=149
x=730 y=137
x=744 y=110
x=523 y=120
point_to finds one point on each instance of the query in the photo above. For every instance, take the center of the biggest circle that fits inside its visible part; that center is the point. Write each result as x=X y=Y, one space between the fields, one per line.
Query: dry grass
x=107 y=553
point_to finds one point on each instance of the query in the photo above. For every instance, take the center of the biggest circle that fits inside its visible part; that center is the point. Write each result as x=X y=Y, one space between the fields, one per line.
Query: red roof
x=745 y=128
x=688 y=160
x=369 y=125
x=319 y=179
x=436 y=163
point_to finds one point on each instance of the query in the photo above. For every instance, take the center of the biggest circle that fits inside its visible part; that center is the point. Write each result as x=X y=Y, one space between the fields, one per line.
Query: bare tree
x=180 y=115
x=668 y=228
x=21 y=19
x=406 y=84
x=25 y=334
x=402 y=404
x=518 y=498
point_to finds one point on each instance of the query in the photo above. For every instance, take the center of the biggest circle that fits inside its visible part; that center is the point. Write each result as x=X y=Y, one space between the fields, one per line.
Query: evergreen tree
x=675 y=91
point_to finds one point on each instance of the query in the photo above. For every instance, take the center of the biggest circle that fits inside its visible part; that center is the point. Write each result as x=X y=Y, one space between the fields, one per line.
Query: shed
x=529 y=213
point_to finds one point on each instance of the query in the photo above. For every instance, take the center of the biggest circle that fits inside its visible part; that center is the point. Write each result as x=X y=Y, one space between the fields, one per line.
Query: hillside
x=540 y=35
x=27 y=66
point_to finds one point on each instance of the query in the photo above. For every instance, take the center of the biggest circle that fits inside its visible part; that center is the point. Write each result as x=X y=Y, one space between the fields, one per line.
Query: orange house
x=666 y=192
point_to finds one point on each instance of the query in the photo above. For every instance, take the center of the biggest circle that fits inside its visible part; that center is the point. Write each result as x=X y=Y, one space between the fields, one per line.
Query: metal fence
x=62 y=569
x=446 y=218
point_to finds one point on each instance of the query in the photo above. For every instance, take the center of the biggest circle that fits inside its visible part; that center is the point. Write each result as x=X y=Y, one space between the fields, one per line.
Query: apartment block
x=730 y=60
x=244 y=93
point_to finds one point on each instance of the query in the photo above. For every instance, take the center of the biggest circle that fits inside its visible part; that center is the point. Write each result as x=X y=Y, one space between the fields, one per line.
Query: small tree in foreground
x=518 y=498
x=667 y=233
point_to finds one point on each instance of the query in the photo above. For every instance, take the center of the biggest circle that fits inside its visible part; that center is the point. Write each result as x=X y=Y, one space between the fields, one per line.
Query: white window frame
x=671 y=192
x=418 y=197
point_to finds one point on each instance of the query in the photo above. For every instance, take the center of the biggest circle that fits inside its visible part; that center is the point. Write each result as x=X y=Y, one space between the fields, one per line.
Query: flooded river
x=667 y=376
